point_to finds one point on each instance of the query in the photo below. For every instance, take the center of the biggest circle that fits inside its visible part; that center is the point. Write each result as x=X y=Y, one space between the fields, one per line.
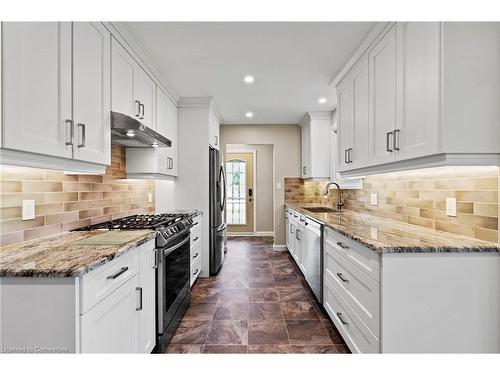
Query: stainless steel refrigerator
x=217 y=193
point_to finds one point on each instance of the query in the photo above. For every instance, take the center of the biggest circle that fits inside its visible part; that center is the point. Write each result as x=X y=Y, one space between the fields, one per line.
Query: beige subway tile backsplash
x=65 y=202
x=419 y=198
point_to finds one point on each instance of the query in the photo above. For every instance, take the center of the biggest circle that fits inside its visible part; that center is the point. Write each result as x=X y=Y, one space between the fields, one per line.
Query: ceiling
x=292 y=62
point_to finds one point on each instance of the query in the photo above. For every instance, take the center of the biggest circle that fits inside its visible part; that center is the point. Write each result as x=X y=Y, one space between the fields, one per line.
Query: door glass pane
x=236 y=192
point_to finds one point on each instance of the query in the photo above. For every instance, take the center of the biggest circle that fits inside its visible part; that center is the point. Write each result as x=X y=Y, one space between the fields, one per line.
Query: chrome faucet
x=339 y=200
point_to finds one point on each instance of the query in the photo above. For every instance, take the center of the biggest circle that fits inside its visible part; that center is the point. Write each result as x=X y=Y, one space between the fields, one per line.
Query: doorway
x=240 y=192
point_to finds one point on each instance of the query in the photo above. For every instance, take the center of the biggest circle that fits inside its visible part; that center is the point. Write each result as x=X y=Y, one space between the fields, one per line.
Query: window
x=236 y=171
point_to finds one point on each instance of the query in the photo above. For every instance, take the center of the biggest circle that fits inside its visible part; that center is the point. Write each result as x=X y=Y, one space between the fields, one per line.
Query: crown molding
x=315 y=115
x=201 y=102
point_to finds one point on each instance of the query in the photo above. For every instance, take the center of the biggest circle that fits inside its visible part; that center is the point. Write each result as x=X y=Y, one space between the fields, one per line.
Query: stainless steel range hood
x=129 y=132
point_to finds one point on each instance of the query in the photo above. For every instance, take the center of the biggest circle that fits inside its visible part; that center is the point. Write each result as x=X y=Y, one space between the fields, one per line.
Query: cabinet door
x=344 y=126
x=91 y=92
x=37 y=87
x=418 y=64
x=146 y=93
x=213 y=131
x=112 y=326
x=166 y=125
x=123 y=68
x=382 y=114
x=306 y=150
x=147 y=293
x=172 y=135
x=287 y=233
x=359 y=156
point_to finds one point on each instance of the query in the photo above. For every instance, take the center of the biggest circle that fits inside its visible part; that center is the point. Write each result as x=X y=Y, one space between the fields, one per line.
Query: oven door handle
x=171 y=249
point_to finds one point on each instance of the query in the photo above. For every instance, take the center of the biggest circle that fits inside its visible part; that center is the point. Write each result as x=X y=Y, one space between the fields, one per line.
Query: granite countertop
x=58 y=256
x=389 y=236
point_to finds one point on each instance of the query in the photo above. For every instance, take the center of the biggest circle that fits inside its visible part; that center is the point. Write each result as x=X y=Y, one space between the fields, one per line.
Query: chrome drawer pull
x=195 y=239
x=138 y=108
x=196 y=271
x=339 y=275
x=71 y=132
x=342 y=245
x=121 y=272
x=196 y=223
x=139 y=308
x=342 y=319
x=388 y=142
x=196 y=255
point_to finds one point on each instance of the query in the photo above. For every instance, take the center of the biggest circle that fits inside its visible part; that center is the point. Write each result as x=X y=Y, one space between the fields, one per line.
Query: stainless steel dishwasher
x=312 y=259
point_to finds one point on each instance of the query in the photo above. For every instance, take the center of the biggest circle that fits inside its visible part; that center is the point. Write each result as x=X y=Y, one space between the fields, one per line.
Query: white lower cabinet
x=118 y=304
x=196 y=247
x=113 y=325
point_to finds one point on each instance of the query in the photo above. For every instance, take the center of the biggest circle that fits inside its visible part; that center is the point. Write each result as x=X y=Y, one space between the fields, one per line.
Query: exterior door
x=91 y=92
x=240 y=192
x=37 y=87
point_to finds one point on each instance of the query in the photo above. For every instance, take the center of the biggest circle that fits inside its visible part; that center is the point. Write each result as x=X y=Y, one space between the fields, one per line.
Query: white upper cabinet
x=133 y=92
x=213 y=131
x=91 y=92
x=315 y=130
x=431 y=93
x=36 y=65
x=146 y=95
x=382 y=94
x=56 y=95
x=417 y=90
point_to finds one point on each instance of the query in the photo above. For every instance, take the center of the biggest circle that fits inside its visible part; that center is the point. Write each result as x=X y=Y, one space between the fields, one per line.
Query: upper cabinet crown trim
x=315 y=115
x=375 y=34
x=201 y=102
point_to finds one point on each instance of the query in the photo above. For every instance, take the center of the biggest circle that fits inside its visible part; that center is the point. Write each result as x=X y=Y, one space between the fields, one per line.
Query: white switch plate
x=451 y=206
x=278 y=185
x=150 y=197
x=373 y=233
x=28 y=209
x=373 y=199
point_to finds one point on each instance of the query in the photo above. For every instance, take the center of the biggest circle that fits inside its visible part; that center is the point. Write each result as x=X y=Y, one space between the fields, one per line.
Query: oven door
x=172 y=277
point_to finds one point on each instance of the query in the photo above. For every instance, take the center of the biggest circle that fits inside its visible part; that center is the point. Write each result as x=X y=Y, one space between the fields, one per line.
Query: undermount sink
x=320 y=209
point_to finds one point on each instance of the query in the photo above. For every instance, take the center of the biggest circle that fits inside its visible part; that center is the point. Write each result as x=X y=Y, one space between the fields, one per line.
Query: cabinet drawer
x=196 y=223
x=195 y=252
x=104 y=280
x=356 y=287
x=195 y=238
x=355 y=333
x=364 y=258
x=195 y=270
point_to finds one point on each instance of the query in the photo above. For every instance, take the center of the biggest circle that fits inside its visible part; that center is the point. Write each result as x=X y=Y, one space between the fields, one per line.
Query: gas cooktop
x=140 y=222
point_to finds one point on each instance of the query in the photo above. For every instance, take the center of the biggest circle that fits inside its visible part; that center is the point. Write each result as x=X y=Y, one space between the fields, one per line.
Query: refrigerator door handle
x=223 y=182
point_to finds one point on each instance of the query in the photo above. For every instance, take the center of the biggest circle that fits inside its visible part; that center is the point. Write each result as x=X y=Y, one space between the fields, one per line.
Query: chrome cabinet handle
x=395 y=144
x=341 y=277
x=196 y=223
x=196 y=271
x=297 y=235
x=387 y=141
x=195 y=239
x=156 y=258
x=139 y=308
x=295 y=215
x=141 y=111
x=138 y=108
x=341 y=244
x=291 y=228
x=169 y=163
x=196 y=255
x=216 y=140
x=83 y=143
x=121 y=272
x=304 y=170
x=349 y=155
x=71 y=132
x=342 y=319
x=345 y=156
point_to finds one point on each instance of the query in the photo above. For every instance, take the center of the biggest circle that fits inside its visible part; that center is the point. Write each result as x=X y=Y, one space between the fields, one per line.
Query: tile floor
x=258 y=303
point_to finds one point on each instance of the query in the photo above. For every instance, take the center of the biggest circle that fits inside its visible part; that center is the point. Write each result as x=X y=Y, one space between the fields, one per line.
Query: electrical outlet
x=451 y=206
x=28 y=209
x=373 y=199
x=150 y=197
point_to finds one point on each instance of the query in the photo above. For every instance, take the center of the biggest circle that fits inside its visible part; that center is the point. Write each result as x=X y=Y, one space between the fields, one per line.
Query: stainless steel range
x=172 y=265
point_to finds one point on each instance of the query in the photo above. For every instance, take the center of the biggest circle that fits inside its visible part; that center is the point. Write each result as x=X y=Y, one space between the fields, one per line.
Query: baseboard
x=280 y=248
x=265 y=234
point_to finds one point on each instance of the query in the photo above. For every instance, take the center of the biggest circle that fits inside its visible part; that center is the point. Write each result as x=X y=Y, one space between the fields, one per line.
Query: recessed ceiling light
x=248 y=79
x=249 y=114
x=322 y=100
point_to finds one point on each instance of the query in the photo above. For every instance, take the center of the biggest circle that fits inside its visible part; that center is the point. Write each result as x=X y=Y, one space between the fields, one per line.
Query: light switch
x=451 y=206
x=28 y=209
x=150 y=197
x=373 y=199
